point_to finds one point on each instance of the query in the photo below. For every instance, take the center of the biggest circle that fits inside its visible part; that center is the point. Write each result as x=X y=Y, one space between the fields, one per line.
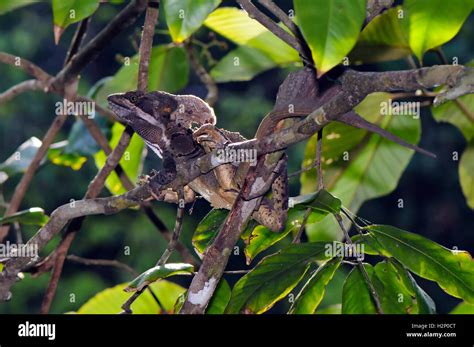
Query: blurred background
x=434 y=205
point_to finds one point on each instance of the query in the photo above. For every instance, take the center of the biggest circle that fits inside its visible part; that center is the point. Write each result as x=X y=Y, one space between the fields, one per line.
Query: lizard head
x=163 y=120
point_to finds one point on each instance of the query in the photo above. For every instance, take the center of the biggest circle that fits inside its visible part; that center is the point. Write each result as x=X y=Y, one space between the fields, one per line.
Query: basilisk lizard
x=165 y=122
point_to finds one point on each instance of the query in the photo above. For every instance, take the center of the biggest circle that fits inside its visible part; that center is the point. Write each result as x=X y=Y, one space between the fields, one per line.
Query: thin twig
x=176 y=232
x=166 y=254
x=281 y=15
x=201 y=72
x=318 y=163
x=362 y=269
x=77 y=39
x=254 y=13
x=318 y=160
x=20 y=88
x=101 y=262
x=297 y=238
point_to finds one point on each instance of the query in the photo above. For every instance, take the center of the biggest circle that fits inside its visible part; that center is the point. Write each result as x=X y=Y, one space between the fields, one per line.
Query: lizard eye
x=133 y=99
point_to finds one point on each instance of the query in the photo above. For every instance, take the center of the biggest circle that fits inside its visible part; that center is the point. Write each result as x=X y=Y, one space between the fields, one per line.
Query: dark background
x=434 y=204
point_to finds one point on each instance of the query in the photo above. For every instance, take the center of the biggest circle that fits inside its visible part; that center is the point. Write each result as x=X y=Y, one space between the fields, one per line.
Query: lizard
x=166 y=123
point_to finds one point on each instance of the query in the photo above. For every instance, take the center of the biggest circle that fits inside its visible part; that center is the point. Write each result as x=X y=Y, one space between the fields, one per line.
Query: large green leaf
x=261 y=238
x=66 y=12
x=241 y=64
x=168 y=71
x=207 y=229
x=312 y=293
x=453 y=270
x=6 y=5
x=110 y=300
x=238 y=27
x=186 y=16
x=31 y=216
x=356 y=296
x=383 y=39
x=274 y=277
x=330 y=27
x=466 y=174
x=159 y=272
x=220 y=299
x=432 y=23
x=370 y=171
x=131 y=162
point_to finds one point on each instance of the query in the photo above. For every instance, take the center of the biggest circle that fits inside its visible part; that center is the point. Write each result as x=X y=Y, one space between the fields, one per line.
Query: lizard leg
x=273 y=212
x=164 y=176
x=210 y=138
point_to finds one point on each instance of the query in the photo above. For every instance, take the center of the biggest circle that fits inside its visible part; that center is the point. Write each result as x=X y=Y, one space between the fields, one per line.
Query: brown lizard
x=165 y=122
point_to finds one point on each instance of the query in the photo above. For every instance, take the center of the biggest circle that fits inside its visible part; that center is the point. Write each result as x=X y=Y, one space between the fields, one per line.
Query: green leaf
x=356 y=173
x=57 y=155
x=331 y=309
x=184 y=17
x=356 y=296
x=220 y=299
x=450 y=112
x=207 y=229
x=31 y=216
x=310 y=296
x=110 y=300
x=241 y=64
x=159 y=272
x=453 y=270
x=274 y=277
x=66 y=12
x=261 y=238
x=331 y=28
x=463 y=308
x=395 y=297
x=21 y=158
x=236 y=26
x=466 y=174
x=383 y=39
x=81 y=142
x=425 y=303
x=131 y=161
x=432 y=23
x=6 y=6
x=168 y=71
